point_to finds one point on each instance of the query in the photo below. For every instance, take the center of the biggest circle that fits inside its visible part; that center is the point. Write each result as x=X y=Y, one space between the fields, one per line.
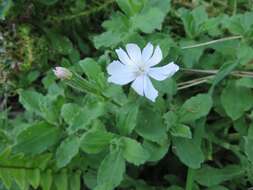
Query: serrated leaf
x=37 y=138
x=111 y=170
x=75 y=181
x=67 y=150
x=195 y=108
x=31 y=100
x=156 y=151
x=33 y=177
x=189 y=152
x=127 y=118
x=61 y=180
x=134 y=152
x=181 y=130
x=150 y=126
x=229 y=100
x=209 y=176
x=95 y=141
x=46 y=180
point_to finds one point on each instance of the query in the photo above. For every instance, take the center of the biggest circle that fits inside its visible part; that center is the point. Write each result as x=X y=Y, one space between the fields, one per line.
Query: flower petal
x=123 y=57
x=116 y=67
x=138 y=85
x=122 y=79
x=134 y=52
x=147 y=52
x=120 y=74
x=161 y=73
x=156 y=57
x=149 y=91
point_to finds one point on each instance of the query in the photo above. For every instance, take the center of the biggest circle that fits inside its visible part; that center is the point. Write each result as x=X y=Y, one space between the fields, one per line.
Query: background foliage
x=199 y=133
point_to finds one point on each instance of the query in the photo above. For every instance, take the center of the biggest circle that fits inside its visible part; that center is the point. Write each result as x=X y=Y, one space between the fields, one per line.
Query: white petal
x=147 y=52
x=156 y=57
x=161 y=73
x=134 y=52
x=116 y=67
x=122 y=79
x=123 y=57
x=149 y=91
x=138 y=85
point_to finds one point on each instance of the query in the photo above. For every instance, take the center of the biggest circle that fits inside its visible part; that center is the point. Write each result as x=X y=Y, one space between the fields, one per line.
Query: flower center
x=141 y=69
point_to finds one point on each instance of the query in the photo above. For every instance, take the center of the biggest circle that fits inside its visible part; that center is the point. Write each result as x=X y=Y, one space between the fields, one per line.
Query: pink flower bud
x=62 y=73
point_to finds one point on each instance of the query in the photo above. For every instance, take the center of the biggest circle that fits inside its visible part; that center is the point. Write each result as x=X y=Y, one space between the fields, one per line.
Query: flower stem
x=190 y=179
x=212 y=42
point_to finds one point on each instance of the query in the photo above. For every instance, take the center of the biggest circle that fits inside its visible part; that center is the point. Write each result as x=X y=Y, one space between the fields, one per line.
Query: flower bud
x=62 y=73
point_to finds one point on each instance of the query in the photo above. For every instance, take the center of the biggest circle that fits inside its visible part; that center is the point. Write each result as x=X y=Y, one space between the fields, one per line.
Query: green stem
x=190 y=179
x=212 y=42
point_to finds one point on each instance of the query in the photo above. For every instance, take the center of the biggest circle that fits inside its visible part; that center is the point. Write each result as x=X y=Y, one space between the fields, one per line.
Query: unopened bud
x=62 y=73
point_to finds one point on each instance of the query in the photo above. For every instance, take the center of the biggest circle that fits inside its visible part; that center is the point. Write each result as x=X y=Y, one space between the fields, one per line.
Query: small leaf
x=111 y=170
x=181 y=130
x=95 y=141
x=127 y=118
x=150 y=126
x=61 y=180
x=46 y=180
x=195 y=108
x=209 y=176
x=189 y=152
x=33 y=176
x=133 y=151
x=67 y=150
x=229 y=100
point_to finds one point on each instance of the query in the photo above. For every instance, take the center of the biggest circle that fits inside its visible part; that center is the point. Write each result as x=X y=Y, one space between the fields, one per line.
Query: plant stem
x=190 y=179
x=212 y=42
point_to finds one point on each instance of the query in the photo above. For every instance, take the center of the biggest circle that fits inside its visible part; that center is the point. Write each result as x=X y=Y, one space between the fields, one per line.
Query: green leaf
x=46 y=180
x=181 y=130
x=48 y=2
x=193 y=21
x=241 y=24
x=31 y=100
x=150 y=126
x=248 y=144
x=133 y=151
x=33 y=177
x=95 y=141
x=155 y=17
x=229 y=100
x=209 y=176
x=61 y=180
x=111 y=170
x=195 y=108
x=19 y=176
x=189 y=152
x=223 y=72
x=90 y=67
x=190 y=56
x=37 y=138
x=90 y=112
x=245 y=82
x=127 y=118
x=67 y=150
x=5 y=6
x=69 y=112
x=75 y=181
x=156 y=151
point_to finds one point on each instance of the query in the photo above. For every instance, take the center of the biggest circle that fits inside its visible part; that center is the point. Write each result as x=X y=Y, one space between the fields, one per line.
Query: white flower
x=137 y=66
x=62 y=73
